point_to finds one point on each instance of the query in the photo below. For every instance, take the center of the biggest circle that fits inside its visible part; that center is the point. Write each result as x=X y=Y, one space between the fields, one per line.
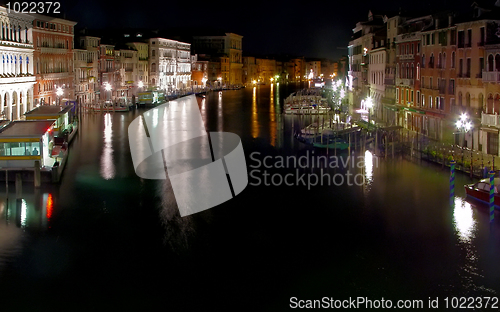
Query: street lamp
x=108 y=87
x=59 y=93
x=464 y=125
x=369 y=105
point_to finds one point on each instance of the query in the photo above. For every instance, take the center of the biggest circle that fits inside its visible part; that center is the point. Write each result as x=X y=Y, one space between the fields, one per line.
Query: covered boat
x=480 y=191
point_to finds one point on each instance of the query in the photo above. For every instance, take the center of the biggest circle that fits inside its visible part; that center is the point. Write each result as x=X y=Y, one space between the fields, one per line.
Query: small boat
x=306 y=109
x=332 y=143
x=480 y=191
x=111 y=108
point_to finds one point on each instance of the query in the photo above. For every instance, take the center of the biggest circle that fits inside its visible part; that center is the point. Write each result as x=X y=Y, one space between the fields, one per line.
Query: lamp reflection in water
x=24 y=213
x=255 y=122
x=272 y=118
x=368 y=167
x=466 y=228
x=107 y=164
x=220 y=120
x=463 y=220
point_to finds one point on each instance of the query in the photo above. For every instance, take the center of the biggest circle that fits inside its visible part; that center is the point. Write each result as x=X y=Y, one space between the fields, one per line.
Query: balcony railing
x=406 y=57
x=4 y=79
x=490 y=120
x=491 y=76
x=404 y=81
x=389 y=81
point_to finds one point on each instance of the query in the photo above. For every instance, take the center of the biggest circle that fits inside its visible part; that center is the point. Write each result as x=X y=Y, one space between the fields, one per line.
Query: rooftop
x=25 y=129
x=49 y=110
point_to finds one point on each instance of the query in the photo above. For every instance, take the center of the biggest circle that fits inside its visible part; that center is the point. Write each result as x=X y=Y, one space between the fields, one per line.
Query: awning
x=414 y=110
x=392 y=107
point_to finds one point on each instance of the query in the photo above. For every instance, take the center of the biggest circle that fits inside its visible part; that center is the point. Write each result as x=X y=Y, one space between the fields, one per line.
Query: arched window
x=153 y=67
x=452 y=59
x=431 y=61
x=460 y=98
x=467 y=99
x=411 y=71
x=418 y=71
x=490 y=63
x=497 y=62
x=489 y=104
x=439 y=60
x=423 y=60
x=444 y=60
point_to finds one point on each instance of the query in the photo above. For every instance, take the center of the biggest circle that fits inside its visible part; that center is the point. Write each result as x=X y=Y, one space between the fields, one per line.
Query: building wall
x=53 y=59
x=170 y=64
x=16 y=72
x=230 y=46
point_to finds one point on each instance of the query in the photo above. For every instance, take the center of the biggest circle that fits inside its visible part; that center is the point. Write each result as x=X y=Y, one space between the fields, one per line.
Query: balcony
x=16 y=44
x=405 y=81
x=407 y=57
x=490 y=120
x=46 y=50
x=491 y=76
x=5 y=79
x=56 y=75
x=389 y=81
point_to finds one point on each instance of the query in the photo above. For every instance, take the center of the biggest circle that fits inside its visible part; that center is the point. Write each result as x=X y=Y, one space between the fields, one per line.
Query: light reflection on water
x=255 y=120
x=463 y=220
x=107 y=163
x=410 y=232
x=368 y=167
x=19 y=216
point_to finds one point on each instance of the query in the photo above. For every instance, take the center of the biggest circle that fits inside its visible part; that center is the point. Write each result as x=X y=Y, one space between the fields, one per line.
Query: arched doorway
x=15 y=108
x=7 y=106
x=22 y=105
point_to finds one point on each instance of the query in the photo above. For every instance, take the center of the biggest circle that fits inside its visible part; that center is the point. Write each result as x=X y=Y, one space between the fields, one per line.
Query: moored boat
x=480 y=191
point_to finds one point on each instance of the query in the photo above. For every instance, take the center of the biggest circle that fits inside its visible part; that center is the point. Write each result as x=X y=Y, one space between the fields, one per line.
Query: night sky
x=313 y=29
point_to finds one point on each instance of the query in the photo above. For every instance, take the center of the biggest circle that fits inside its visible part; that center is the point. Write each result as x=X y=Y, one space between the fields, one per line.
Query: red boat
x=481 y=191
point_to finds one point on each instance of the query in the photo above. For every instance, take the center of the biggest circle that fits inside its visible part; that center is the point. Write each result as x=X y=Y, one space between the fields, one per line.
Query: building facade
x=228 y=45
x=169 y=64
x=53 y=59
x=16 y=72
x=86 y=67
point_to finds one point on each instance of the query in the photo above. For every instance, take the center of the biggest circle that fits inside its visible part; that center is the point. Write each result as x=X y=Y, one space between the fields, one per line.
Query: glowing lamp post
x=108 y=87
x=59 y=93
x=464 y=125
x=369 y=105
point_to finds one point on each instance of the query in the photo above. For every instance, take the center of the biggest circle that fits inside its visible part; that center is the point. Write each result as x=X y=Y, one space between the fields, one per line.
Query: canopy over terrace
x=61 y=114
x=24 y=142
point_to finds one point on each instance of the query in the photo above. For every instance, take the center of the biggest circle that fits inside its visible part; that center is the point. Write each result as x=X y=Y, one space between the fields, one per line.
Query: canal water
x=310 y=224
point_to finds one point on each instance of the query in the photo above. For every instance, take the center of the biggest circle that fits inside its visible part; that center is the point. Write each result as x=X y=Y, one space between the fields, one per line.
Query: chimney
x=437 y=23
x=450 y=20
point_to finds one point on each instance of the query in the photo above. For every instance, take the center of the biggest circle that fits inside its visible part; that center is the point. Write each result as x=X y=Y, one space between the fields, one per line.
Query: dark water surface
x=107 y=240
